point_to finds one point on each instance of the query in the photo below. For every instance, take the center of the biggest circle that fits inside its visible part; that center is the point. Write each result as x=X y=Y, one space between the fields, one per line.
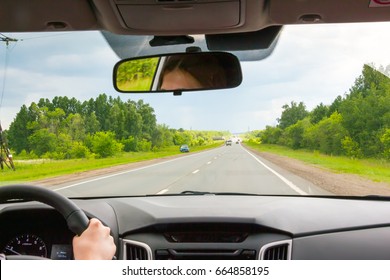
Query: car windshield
x=313 y=118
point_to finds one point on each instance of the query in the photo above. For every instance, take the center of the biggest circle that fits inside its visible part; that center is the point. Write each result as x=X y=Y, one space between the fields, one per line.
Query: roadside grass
x=30 y=170
x=374 y=169
x=137 y=85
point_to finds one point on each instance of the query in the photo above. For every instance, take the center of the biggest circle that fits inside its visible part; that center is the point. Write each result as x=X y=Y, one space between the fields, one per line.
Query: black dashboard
x=35 y=231
x=213 y=227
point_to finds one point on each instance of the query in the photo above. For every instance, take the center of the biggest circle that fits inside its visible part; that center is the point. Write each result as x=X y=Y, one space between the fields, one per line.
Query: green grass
x=373 y=169
x=142 y=84
x=40 y=169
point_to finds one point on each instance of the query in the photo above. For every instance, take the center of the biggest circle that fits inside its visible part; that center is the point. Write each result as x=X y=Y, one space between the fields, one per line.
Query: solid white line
x=287 y=182
x=162 y=191
x=124 y=172
x=196 y=171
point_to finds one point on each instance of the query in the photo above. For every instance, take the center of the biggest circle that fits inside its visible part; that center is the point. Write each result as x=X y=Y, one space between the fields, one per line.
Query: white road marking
x=209 y=163
x=287 y=182
x=163 y=191
x=196 y=171
x=125 y=172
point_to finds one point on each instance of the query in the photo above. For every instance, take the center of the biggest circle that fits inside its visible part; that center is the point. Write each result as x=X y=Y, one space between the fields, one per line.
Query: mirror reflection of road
x=225 y=169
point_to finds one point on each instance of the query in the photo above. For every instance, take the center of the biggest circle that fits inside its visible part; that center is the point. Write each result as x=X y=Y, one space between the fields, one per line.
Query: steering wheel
x=75 y=218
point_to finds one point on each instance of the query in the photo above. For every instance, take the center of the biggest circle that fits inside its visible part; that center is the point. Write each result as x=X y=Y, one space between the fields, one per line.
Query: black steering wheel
x=75 y=217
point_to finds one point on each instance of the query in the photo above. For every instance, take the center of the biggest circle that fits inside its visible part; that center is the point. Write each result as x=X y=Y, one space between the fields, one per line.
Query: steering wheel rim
x=75 y=218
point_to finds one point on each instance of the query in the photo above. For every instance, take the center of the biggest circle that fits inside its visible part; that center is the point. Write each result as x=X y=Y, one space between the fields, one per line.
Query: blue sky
x=312 y=64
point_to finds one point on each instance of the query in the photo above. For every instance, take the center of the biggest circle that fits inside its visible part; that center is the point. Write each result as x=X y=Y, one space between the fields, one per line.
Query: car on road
x=110 y=82
x=184 y=149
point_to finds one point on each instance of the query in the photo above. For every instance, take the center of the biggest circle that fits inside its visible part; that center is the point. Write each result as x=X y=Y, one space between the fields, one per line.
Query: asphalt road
x=225 y=169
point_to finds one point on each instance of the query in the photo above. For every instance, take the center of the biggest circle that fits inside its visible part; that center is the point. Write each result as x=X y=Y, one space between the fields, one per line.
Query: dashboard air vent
x=280 y=250
x=134 y=250
x=205 y=254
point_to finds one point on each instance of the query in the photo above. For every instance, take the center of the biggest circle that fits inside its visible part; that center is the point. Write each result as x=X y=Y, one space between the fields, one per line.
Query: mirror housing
x=177 y=72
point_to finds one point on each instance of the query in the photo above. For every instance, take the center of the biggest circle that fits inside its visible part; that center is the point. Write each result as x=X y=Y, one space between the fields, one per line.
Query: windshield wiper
x=377 y=197
x=215 y=193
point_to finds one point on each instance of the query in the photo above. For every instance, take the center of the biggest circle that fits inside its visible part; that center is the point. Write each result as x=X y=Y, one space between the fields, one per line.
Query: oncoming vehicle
x=115 y=91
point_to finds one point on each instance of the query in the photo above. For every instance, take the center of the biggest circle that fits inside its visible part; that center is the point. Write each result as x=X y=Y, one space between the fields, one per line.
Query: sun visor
x=134 y=46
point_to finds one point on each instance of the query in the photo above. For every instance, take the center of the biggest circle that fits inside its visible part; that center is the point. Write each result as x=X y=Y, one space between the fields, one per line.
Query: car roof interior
x=181 y=17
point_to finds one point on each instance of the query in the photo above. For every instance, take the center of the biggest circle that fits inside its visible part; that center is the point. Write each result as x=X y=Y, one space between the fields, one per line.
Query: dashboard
x=210 y=227
x=35 y=231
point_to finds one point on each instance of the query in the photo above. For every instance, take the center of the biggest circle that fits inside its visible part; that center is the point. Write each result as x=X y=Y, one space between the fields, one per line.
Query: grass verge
x=31 y=170
x=373 y=169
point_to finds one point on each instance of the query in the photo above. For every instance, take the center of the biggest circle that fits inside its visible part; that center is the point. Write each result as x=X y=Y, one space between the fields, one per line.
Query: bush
x=144 y=145
x=385 y=140
x=351 y=148
x=130 y=144
x=79 y=150
x=105 y=145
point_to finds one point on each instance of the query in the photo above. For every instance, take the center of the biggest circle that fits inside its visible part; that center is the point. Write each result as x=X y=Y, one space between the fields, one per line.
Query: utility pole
x=7 y=39
x=5 y=153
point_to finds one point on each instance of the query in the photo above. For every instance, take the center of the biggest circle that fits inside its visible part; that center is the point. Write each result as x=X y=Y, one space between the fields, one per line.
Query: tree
x=294 y=134
x=291 y=114
x=42 y=141
x=326 y=135
x=18 y=132
x=75 y=127
x=149 y=121
x=365 y=110
x=270 y=135
x=319 y=112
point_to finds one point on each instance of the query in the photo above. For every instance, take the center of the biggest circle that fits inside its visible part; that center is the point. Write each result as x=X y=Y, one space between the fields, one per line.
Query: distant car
x=184 y=149
x=228 y=142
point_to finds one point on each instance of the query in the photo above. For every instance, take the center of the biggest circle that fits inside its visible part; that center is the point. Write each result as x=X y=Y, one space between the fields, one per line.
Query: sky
x=311 y=63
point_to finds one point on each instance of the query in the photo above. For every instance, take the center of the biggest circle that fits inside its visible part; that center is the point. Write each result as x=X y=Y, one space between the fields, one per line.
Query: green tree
x=318 y=113
x=149 y=121
x=291 y=114
x=326 y=135
x=42 y=141
x=75 y=127
x=271 y=135
x=18 y=132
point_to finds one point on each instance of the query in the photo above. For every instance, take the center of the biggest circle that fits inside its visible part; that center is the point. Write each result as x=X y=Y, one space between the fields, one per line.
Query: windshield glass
x=311 y=119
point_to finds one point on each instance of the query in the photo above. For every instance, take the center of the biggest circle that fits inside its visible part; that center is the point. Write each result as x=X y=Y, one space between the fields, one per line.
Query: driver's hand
x=95 y=243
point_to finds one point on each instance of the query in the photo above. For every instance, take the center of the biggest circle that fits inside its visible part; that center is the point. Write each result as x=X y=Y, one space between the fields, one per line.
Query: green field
x=30 y=170
x=373 y=169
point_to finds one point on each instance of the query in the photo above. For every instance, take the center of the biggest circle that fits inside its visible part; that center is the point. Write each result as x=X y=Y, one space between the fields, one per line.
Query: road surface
x=225 y=169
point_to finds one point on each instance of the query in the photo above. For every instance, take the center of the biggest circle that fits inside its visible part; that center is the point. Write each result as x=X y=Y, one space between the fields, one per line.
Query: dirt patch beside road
x=338 y=184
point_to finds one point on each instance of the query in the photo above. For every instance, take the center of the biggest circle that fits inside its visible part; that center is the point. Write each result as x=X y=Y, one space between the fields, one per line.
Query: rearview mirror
x=178 y=72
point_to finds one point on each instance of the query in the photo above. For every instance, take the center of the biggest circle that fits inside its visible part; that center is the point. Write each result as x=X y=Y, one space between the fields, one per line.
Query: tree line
x=356 y=125
x=64 y=128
